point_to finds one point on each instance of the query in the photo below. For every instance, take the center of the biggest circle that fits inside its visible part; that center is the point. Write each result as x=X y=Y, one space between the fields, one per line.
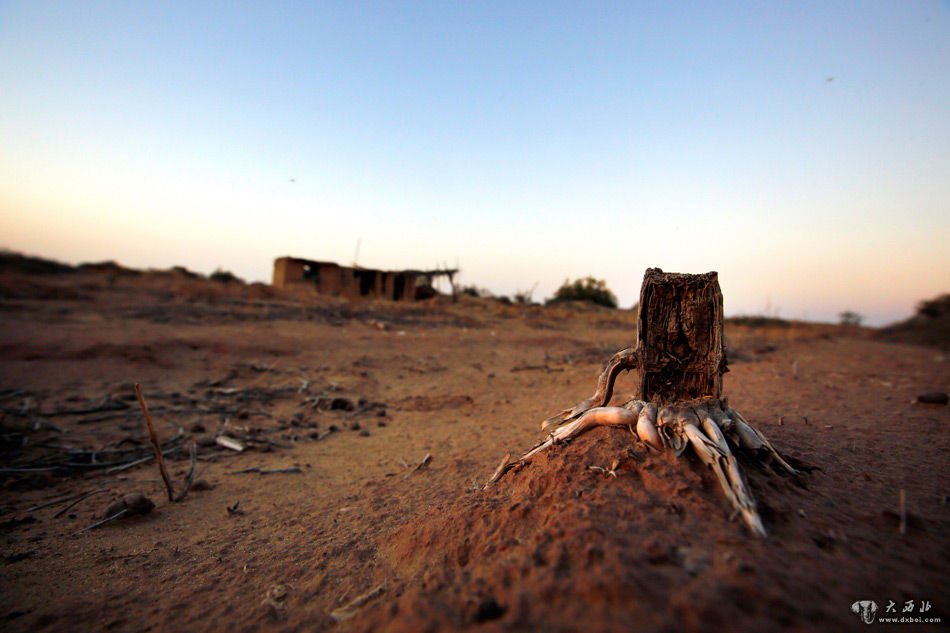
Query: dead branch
x=107 y=404
x=623 y=360
x=118 y=515
x=353 y=606
x=190 y=478
x=422 y=464
x=229 y=443
x=155 y=444
x=129 y=505
x=78 y=501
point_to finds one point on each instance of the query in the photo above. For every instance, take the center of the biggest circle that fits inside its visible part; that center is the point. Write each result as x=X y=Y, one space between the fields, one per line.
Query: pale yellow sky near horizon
x=801 y=151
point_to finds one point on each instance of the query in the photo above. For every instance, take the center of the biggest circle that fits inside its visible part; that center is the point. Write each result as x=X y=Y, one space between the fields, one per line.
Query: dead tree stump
x=680 y=354
x=680 y=348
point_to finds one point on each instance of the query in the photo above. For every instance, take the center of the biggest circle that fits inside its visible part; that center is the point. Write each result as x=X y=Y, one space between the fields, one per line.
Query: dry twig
x=190 y=478
x=78 y=500
x=155 y=444
x=353 y=606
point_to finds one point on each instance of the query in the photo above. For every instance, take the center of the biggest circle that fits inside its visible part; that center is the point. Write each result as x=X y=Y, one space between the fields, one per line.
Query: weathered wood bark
x=680 y=348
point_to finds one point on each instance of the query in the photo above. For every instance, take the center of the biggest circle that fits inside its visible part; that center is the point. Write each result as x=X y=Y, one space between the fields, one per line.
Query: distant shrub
x=109 y=267
x=850 y=318
x=475 y=291
x=758 y=320
x=525 y=297
x=225 y=276
x=587 y=289
x=184 y=272
x=25 y=264
x=934 y=308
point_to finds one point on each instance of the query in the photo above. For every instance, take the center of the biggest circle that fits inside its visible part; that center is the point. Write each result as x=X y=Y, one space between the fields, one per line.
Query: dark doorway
x=399 y=287
x=367 y=281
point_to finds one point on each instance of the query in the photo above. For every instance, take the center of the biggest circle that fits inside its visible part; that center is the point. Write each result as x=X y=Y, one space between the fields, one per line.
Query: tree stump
x=680 y=355
x=680 y=349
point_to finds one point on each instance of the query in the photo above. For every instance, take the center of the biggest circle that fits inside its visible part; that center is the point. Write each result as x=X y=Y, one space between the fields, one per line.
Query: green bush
x=587 y=289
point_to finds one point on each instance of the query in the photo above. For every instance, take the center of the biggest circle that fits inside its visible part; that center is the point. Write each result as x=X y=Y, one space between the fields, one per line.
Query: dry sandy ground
x=556 y=546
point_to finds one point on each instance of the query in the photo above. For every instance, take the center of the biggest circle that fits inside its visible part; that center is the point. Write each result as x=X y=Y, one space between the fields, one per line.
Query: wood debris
x=353 y=606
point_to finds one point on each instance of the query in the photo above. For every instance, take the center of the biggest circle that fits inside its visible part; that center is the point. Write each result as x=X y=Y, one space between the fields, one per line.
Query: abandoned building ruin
x=357 y=282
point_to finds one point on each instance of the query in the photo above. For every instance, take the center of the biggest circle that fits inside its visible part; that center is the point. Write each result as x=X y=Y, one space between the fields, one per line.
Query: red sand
x=555 y=546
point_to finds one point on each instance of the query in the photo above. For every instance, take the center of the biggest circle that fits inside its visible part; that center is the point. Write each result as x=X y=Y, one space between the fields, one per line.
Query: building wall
x=288 y=271
x=341 y=281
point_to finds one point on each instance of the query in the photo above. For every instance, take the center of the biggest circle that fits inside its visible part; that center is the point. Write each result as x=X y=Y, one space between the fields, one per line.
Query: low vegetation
x=586 y=289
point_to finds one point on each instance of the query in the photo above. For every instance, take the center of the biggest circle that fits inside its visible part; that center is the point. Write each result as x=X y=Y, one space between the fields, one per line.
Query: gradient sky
x=801 y=149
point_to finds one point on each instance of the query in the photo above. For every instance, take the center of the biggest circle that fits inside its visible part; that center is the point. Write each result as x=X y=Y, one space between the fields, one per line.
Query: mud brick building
x=355 y=282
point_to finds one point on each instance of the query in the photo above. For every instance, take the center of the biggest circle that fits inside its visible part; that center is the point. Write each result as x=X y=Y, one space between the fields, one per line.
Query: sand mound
x=652 y=546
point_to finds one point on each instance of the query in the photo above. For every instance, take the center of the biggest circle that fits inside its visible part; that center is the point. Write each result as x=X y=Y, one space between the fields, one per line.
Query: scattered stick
x=353 y=606
x=118 y=515
x=120 y=467
x=107 y=404
x=424 y=462
x=155 y=444
x=54 y=502
x=501 y=470
x=190 y=478
x=420 y=465
x=79 y=500
x=102 y=417
x=230 y=443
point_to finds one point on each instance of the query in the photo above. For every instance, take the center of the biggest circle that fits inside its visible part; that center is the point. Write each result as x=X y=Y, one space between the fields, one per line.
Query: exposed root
x=599 y=416
x=708 y=426
x=623 y=360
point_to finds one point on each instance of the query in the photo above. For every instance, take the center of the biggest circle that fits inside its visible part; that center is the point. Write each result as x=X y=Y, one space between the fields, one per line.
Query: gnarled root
x=623 y=360
x=707 y=426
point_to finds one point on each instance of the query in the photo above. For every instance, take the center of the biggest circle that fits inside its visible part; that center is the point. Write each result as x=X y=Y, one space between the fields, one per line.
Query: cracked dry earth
x=339 y=523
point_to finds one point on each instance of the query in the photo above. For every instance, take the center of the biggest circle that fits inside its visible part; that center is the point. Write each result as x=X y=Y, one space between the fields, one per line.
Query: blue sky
x=800 y=149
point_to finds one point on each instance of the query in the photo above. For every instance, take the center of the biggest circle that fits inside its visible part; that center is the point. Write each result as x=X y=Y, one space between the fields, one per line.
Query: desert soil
x=356 y=530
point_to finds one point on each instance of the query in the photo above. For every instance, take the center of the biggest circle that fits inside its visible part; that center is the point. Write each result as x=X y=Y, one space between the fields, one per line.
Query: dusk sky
x=800 y=149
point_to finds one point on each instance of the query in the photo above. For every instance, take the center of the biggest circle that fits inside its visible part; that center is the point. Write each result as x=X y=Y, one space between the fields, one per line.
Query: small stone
x=342 y=404
x=132 y=503
x=364 y=433
x=205 y=440
x=934 y=397
x=354 y=426
x=489 y=609
x=381 y=423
